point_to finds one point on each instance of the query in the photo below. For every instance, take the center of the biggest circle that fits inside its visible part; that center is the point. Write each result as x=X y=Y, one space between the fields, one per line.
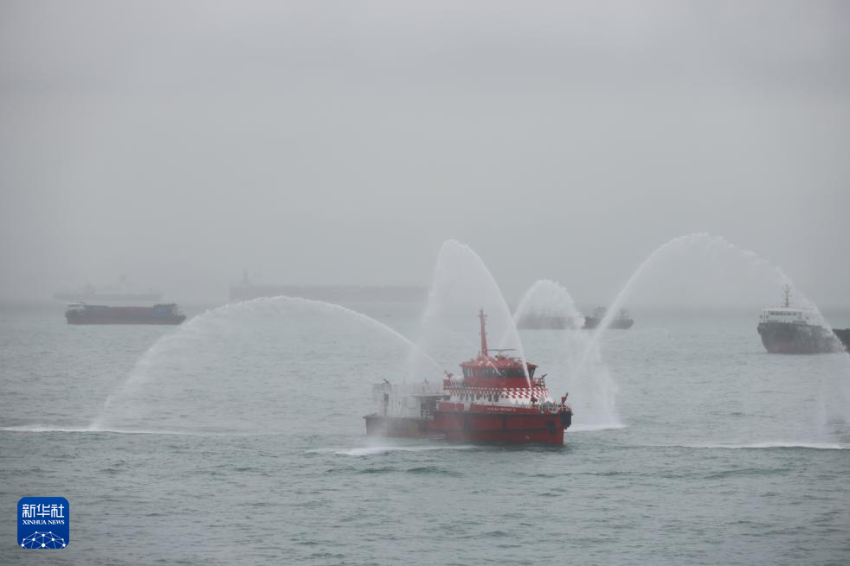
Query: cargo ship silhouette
x=81 y=313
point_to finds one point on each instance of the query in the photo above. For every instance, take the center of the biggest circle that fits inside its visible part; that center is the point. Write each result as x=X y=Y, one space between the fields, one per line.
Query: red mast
x=483 y=317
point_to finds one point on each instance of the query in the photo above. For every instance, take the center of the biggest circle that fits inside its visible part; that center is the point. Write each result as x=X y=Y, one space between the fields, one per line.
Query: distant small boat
x=81 y=313
x=621 y=322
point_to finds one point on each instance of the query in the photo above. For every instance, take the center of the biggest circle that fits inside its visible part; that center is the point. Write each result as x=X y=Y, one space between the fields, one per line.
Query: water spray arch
x=461 y=285
x=683 y=244
x=218 y=320
x=703 y=242
x=592 y=388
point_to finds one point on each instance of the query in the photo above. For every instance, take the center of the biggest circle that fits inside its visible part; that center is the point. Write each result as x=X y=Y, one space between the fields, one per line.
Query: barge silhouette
x=81 y=313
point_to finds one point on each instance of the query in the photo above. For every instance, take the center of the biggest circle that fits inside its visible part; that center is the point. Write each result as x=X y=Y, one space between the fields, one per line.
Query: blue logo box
x=43 y=522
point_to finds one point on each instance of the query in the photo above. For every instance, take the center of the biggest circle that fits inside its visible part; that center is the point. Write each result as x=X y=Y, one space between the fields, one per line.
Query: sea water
x=245 y=443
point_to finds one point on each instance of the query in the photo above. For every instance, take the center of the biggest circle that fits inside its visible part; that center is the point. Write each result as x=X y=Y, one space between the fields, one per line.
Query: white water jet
x=593 y=391
x=462 y=285
x=836 y=406
x=550 y=298
x=218 y=322
x=688 y=243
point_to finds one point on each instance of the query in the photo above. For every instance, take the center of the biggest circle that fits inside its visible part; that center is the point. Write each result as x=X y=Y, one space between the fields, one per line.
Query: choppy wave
x=375 y=450
x=418 y=470
x=90 y=430
x=595 y=428
x=767 y=446
x=433 y=470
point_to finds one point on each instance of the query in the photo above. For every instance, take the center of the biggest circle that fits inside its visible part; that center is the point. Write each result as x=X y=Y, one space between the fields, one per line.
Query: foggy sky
x=342 y=142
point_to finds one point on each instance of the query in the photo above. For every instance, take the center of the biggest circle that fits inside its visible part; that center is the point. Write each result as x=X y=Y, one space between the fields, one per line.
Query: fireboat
x=497 y=399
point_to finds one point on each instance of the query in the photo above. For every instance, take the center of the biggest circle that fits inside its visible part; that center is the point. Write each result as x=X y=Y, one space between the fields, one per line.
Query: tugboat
x=788 y=330
x=491 y=402
x=81 y=313
x=622 y=321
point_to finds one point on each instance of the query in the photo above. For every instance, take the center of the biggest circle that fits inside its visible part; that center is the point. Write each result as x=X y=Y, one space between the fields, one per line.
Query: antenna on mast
x=483 y=317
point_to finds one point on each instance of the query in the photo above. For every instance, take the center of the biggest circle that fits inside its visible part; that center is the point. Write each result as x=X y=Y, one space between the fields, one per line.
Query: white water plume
x=548 y=298
x=230 y=368
x=461 y=286
x=707 y=247
x=593 y=391
x=835 y=404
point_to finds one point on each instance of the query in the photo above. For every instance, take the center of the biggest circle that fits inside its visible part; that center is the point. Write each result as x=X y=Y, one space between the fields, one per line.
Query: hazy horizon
x=181 y=144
